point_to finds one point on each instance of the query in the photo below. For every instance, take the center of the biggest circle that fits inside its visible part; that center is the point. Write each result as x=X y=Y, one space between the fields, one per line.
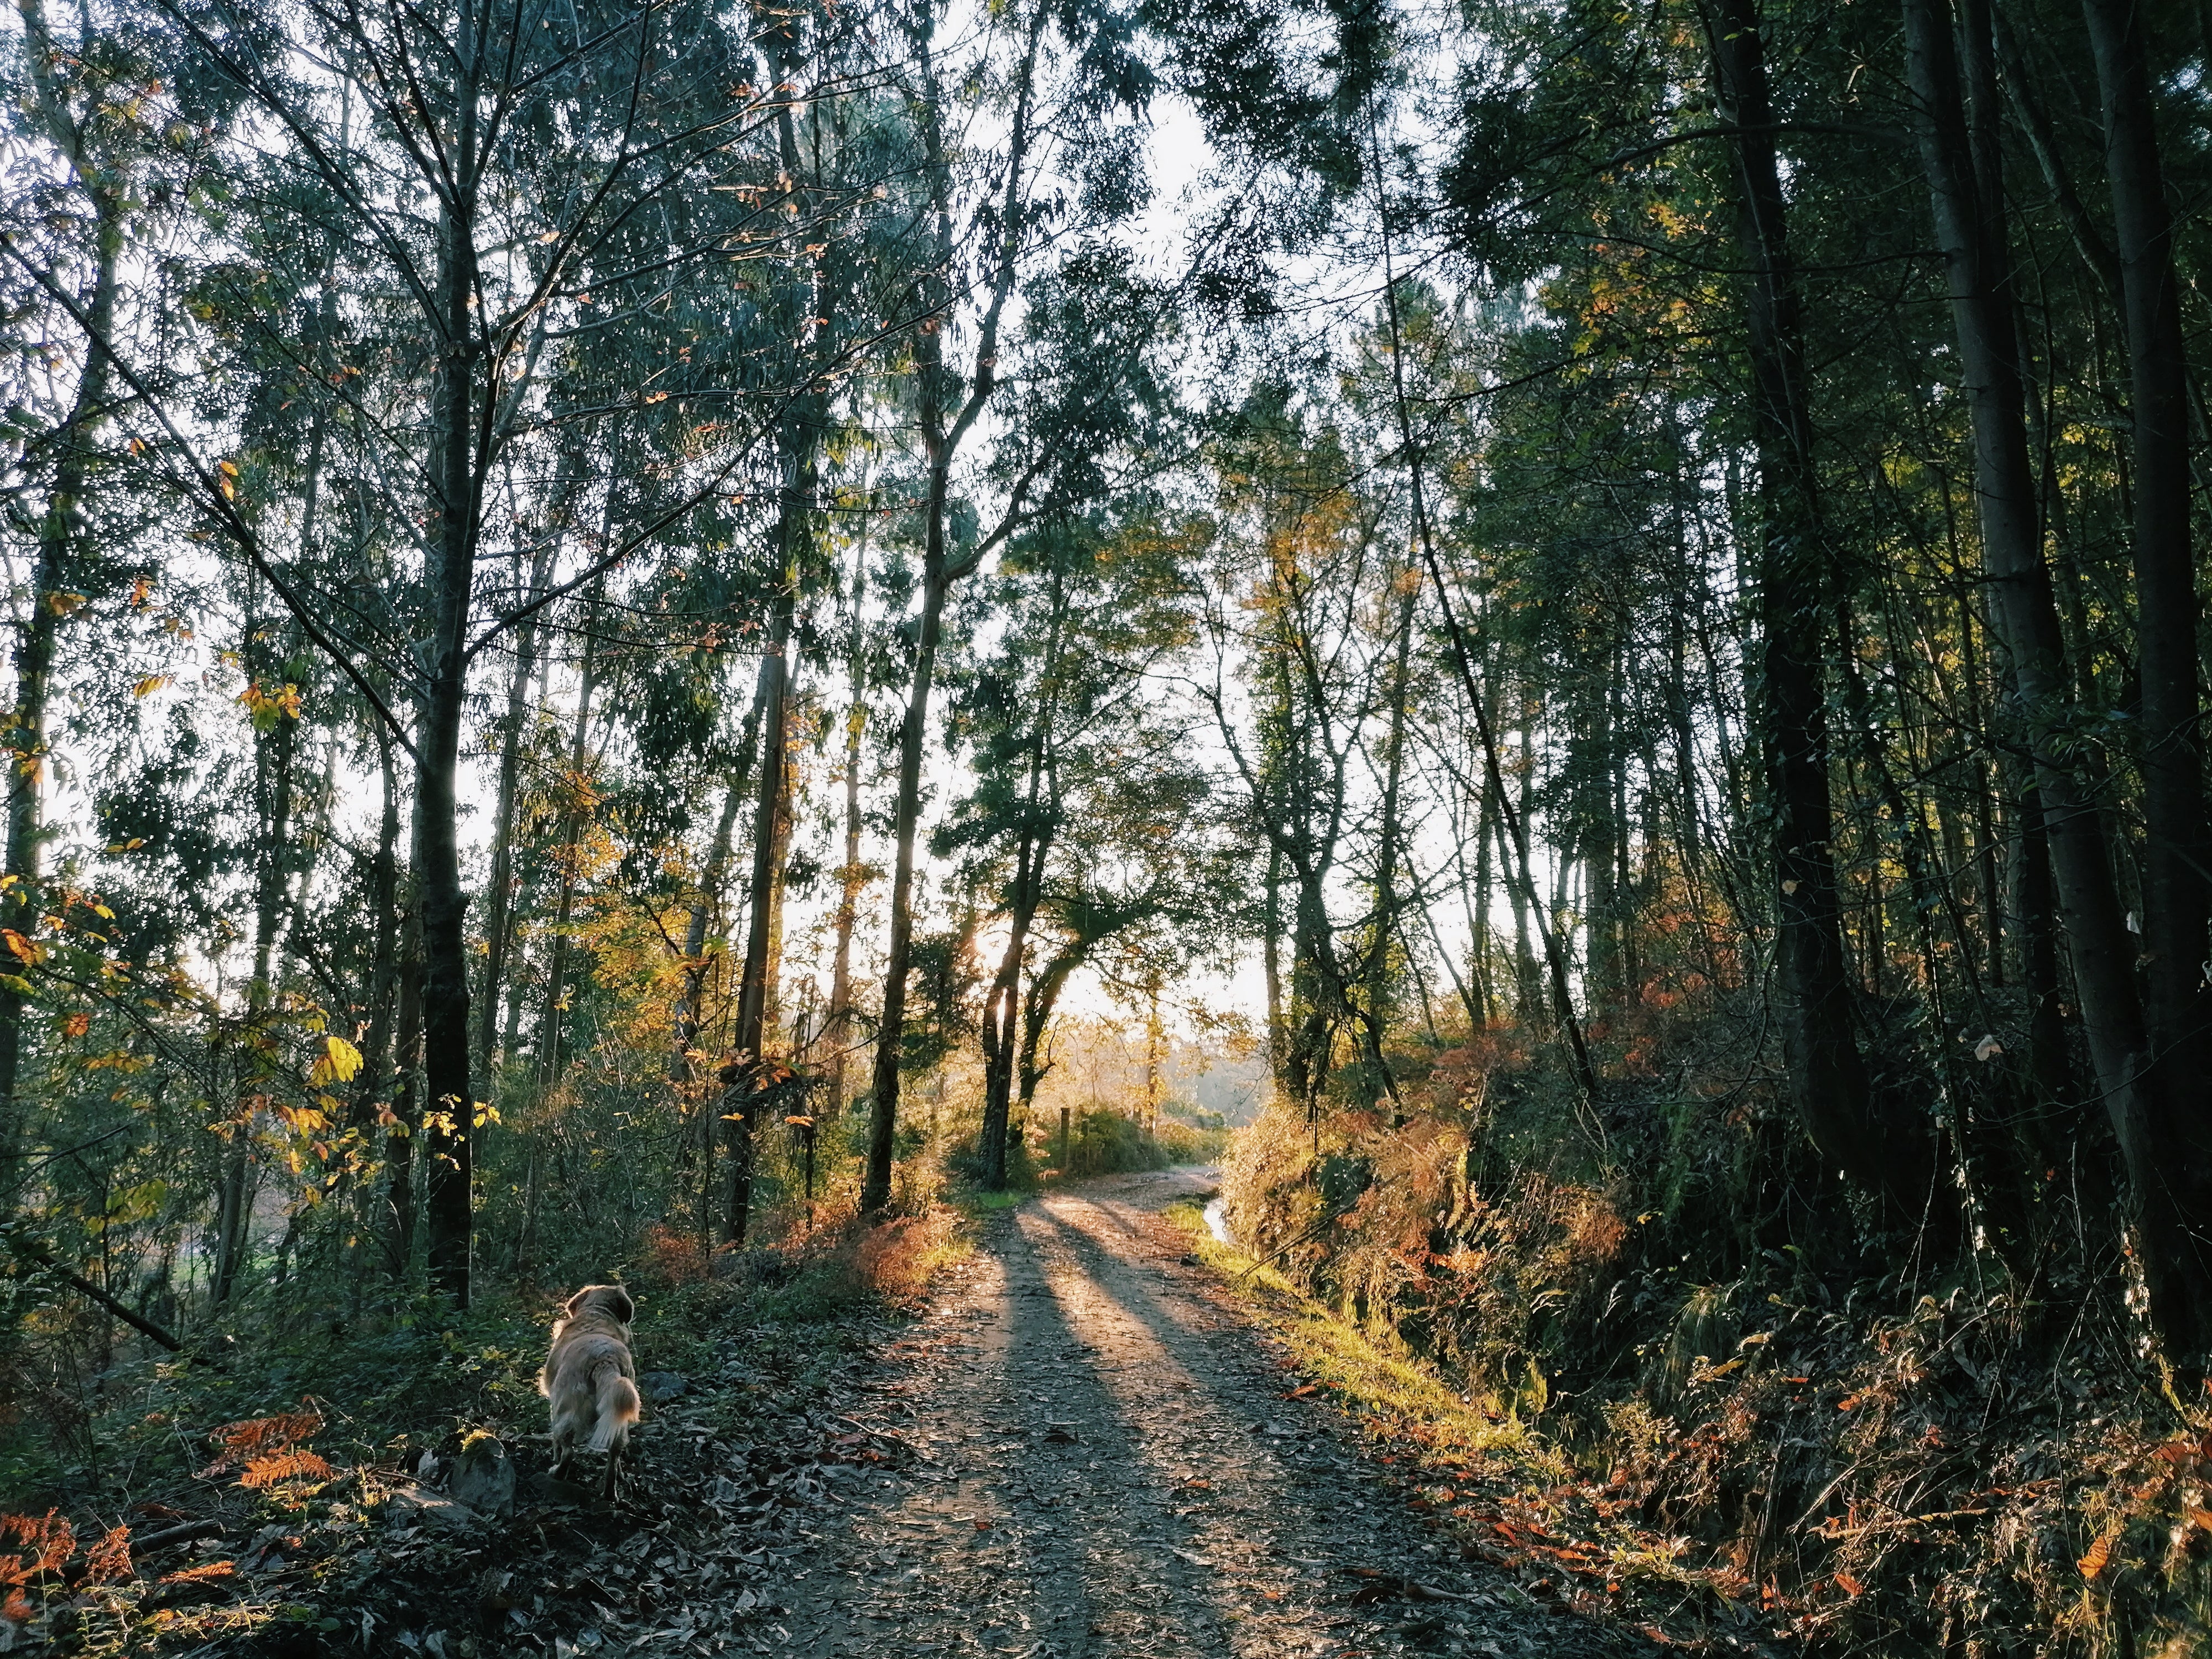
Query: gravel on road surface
x=1105 y=1464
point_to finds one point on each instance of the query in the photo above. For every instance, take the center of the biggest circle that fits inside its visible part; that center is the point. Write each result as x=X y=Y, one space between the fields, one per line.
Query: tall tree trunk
x=2177 y=856
x=51 y=603
x=1271 y=950
x=800 y=441
x=550 y=1059
x=2034 y=905
x=1387 y=855
x=1039 y=823
x=384 y=953
x=1002 y=1008
x=499 y=915
x=700 y=1093
x=853 y=875
x=1512 y=824
x=750 y=1069
x=883 y=1106
x=1817 y=1014
x=273 y=752
x=691 y=1001
x=944 y=425
x=448 y=1117
x=1474 y=899
x=106 y=189
x=375 y=1077
x=2149 y=1116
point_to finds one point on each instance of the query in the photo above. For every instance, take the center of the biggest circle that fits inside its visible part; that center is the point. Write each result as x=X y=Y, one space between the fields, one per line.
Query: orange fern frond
x=203 y=1573
x=109 y=1559
x=50 y=1539
x=298 y=1464
x=259 y=1436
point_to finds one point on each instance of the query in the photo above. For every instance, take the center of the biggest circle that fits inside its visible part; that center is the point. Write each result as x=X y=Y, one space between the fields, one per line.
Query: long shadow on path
x=1111 y=1470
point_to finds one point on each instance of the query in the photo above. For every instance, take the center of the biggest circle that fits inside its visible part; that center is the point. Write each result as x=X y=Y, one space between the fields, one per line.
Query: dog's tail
x=617 y=1399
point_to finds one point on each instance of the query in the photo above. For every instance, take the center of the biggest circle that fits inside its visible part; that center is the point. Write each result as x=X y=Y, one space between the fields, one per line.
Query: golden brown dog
x=589 y=1378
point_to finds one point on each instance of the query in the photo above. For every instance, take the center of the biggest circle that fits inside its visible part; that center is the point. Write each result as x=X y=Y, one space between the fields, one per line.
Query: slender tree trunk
x=406 y=1099
x=935 y=389
x=550 y=1058
x=757 y=989
x=883 y=1107
x=2152 y=1121
x=448 y=1118
x=499 y=917
x=1475 y=900
x=750 y=1036
x=705 y=901
x=1271 y=947
x=373 y=1078
x=1563 y=1005
x=851 y=878
x=50 y=603
x=701 y=1092
x=384 y=972
x=1002 y=1008
x=1039 y=824
x=232 y=1202
x=2033 y=907
x=2177 y=855
x=273 y=753
x=1599 y=833
x=1817 y=1014
x=1389 y=831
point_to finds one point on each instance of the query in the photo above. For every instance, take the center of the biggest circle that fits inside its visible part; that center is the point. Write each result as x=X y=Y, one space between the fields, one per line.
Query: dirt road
x=1108 y=1466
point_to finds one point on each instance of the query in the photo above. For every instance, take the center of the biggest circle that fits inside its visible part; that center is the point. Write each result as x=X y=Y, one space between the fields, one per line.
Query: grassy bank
x=1481 y=1468
x=1578 y=1366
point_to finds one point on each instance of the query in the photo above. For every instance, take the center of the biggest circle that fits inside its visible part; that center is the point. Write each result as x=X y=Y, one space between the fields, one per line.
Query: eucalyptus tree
x=101 y=164
x=1068 y=80
x=1298 y=552
x=1093 y=610
x=538 y=220
x=830 y=310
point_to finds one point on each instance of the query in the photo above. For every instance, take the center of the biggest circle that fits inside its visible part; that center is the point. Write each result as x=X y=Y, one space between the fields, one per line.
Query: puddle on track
x=1217 y=1220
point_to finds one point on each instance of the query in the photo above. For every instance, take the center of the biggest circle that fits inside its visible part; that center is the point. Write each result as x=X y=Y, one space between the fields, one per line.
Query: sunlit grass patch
x=1476 y=1464
x=1396 y=1396
x=980 y=1203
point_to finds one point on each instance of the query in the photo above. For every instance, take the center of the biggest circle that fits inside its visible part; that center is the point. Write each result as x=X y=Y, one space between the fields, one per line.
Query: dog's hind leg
x=614 y=1463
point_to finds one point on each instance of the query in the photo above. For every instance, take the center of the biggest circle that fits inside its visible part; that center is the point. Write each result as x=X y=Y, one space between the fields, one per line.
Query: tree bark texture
x=449 y=1105
x=1816 y=1012
x=2151 y=1122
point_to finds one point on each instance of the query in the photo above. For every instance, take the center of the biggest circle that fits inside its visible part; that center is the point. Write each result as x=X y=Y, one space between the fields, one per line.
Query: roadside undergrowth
x=1505 y=1493
x=306 y=1491
x=1593 y=1350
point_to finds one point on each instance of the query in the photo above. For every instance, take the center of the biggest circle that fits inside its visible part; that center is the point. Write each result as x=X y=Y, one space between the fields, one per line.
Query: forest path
x=1107 y=1466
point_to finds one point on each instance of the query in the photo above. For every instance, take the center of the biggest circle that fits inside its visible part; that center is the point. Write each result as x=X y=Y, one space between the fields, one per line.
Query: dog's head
x=609 y=1299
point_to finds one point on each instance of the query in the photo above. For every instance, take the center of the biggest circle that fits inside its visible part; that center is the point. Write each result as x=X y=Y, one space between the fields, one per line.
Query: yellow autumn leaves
x=336 y=1062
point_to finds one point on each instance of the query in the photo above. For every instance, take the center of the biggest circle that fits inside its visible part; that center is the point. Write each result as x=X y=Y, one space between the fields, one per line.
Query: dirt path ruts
x=1108 y=1468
